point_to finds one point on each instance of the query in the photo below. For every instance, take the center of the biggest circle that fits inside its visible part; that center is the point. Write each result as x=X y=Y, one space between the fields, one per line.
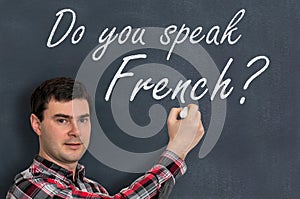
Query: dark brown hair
x=60 y=89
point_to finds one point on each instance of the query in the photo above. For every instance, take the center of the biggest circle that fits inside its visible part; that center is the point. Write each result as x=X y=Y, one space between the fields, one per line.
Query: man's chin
x=72 y=158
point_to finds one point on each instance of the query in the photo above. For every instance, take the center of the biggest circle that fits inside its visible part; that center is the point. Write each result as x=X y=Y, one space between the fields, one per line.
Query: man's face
x=65 y=131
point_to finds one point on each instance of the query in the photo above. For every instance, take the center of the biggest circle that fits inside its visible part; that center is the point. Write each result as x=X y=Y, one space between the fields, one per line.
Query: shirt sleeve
x=167 y=187
x=159 y=180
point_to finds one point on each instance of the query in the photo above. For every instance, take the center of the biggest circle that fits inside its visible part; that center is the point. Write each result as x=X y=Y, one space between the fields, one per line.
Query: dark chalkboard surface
x=257 y=143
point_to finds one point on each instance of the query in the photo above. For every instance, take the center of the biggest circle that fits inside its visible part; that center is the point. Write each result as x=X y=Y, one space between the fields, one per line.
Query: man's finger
x=193 y=108
x=174 y=114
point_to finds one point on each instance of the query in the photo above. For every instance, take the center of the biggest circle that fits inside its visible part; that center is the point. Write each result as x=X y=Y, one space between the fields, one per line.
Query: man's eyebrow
x=85 y=115
x=62 y=115
x=70 y=117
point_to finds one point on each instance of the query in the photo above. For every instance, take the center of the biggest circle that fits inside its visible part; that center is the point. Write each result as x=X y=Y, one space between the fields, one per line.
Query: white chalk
x=184 y=112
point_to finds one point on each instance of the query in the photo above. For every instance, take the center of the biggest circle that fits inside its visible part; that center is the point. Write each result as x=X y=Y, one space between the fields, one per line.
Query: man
x=61 y=118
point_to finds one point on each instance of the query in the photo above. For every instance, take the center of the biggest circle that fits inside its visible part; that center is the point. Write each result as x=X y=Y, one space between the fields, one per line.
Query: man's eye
x=62 y=121
x=83 y=120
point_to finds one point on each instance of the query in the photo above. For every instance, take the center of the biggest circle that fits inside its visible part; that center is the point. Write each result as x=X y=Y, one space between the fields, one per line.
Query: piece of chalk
x=184 y=112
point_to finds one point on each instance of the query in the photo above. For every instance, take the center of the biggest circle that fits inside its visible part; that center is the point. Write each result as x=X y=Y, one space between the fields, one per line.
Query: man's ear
x=35 y=124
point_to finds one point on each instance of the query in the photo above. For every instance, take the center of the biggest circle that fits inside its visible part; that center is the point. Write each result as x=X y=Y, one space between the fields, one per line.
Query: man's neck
x=68 y=166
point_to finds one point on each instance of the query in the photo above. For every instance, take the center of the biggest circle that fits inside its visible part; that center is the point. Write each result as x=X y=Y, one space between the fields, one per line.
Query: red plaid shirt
x=44 y=179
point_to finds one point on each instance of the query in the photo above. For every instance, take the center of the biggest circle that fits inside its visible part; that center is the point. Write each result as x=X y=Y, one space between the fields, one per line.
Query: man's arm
x=177 y=130
x=169 y=168
x=184 y=135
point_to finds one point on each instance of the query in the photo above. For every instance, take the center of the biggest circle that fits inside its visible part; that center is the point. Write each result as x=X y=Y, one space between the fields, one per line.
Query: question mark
x=255 y=75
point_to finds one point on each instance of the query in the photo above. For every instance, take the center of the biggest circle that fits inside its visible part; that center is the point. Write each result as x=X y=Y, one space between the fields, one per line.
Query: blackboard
x=257 y=153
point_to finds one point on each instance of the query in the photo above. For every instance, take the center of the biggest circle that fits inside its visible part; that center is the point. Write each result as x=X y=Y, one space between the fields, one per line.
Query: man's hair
x=61 y=89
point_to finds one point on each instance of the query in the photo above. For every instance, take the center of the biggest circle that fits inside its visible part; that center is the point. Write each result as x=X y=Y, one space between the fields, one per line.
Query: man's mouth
x=73 y=145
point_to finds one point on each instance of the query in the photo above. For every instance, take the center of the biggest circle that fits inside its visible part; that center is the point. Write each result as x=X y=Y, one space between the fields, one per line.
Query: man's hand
x=184 y=134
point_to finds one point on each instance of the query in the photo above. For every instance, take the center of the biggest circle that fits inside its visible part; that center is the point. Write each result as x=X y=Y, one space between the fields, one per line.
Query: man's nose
x=74 y=131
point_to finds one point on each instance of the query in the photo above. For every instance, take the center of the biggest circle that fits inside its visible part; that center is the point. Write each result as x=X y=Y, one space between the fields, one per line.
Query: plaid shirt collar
x=41 y=165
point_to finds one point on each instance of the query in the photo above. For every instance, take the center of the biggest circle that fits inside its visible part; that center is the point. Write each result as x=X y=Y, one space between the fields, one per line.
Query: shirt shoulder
x=29 y=185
